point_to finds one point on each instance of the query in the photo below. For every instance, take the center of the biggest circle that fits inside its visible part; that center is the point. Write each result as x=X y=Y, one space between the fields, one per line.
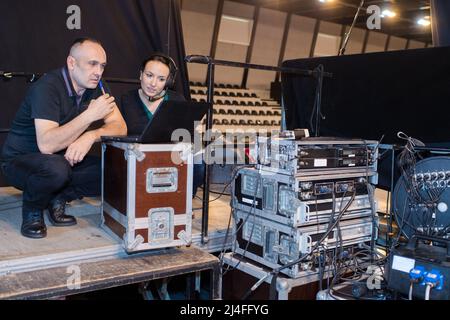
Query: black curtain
x=34 y=38
x=375 y=94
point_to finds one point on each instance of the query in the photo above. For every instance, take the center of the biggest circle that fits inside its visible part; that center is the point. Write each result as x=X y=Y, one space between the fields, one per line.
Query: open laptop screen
x=170 y=116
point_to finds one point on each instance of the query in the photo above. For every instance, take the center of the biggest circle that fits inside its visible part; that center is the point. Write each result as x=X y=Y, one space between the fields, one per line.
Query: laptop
x=169 y=116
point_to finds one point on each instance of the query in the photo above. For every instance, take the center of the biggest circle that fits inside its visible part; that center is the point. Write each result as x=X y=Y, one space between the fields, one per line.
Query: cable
x=358 y=271
x=371 y=190
x=254 y=287
x=418 y=219
x=427 y=291
x=222 y=251
x=235 y=172
x=410 y=294
x=316 y=112
x=343 y=266
x=276 y=271
x=336 y=294
x=221 y=193
x=245 y=221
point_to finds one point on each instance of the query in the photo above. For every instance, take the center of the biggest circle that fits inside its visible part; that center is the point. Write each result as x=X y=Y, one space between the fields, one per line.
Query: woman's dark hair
x=157 y=57
x=168 y=61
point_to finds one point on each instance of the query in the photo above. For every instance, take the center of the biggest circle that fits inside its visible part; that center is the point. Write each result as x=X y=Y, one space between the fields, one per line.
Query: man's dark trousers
x=42 y=177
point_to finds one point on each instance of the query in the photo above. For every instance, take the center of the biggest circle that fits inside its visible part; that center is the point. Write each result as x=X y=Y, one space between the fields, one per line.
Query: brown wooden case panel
x=113 y=225
x=115 y=178
x=144 y=200
x=144 y=232
x=177 y=229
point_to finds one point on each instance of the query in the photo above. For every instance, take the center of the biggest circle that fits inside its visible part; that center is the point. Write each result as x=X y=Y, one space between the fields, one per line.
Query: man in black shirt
x=45 y=153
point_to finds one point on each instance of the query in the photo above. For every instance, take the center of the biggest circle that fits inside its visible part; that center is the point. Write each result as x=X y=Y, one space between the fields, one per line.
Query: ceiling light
x=425 y=21
x=388 y=13
x=323 y=1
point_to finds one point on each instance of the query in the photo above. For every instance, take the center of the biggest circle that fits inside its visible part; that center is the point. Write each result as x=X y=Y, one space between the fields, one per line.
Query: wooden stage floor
x=86 y=241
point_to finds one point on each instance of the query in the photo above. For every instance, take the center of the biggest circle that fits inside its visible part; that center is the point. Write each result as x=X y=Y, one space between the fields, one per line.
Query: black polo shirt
x=53 y=98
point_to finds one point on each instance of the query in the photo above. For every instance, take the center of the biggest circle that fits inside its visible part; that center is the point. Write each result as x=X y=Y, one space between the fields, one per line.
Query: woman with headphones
x=157 y=75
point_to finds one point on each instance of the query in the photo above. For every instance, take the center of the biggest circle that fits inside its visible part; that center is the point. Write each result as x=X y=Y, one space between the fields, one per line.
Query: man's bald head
x=78 y=43
x=86 y=63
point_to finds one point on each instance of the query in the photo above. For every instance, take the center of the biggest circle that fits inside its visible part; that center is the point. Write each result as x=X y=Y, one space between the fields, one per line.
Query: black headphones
x=173 y=69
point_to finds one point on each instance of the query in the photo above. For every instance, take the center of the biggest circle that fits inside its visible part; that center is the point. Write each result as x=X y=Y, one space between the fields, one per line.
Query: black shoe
x=33 y=225
x=56 y=213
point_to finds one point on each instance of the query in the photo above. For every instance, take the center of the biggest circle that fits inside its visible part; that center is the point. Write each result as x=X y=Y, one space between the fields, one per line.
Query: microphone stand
x=8 y=75
x=207 y=138
x=317 y=112
x=347 y=35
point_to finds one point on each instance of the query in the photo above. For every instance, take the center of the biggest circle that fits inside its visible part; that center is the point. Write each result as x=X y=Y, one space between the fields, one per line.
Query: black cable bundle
x=316 y=113
x=428 y=198
x=331 y=226
x=407 y=158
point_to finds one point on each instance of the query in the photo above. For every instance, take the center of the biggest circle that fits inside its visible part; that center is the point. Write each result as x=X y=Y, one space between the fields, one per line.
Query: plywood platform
x=60 y=281
x=86 y=240
x=37 y=268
